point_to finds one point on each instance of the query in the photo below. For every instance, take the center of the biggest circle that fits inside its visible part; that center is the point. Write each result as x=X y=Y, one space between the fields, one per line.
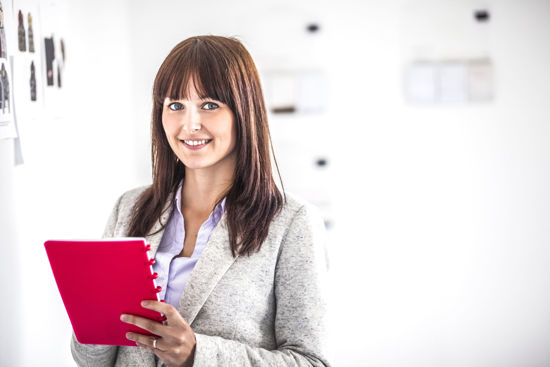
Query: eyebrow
x=201 y=99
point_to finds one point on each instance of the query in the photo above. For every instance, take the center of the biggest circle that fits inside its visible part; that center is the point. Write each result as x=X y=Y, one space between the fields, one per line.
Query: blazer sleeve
x=301 y=306
x=89 y=355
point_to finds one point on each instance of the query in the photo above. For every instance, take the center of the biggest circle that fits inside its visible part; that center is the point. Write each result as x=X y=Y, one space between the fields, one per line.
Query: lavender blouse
x=175 y=271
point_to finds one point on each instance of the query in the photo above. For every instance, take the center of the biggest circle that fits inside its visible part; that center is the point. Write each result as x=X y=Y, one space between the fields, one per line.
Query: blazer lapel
x=212 y=265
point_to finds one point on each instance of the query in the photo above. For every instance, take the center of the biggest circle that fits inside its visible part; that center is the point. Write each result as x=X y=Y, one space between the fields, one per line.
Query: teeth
x=196 y=142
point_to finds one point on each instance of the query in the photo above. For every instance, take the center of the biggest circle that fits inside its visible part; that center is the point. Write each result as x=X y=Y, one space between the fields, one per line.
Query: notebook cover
x=100 y=280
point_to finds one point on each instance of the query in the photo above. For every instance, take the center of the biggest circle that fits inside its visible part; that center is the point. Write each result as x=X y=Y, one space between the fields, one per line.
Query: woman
x=242 y=267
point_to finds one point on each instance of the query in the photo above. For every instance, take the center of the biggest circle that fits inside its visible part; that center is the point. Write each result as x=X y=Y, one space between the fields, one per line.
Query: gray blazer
x=267 y=309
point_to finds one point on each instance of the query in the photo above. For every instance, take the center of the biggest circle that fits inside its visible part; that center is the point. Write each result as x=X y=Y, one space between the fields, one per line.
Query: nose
x=192 y=120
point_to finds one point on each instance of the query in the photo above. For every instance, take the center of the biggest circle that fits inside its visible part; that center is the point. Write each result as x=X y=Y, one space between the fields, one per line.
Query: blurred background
x=421 y=128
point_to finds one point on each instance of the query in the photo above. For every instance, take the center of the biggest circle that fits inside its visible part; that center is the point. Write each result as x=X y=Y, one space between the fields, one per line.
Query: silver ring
x=155 y=343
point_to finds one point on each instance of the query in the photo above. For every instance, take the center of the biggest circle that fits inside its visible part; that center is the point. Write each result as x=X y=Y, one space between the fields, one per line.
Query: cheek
x=232 y=132
x=233 y=136
x=168 y=126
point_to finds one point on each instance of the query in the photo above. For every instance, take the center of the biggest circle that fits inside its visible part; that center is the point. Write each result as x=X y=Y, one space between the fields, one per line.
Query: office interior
x=420 y=128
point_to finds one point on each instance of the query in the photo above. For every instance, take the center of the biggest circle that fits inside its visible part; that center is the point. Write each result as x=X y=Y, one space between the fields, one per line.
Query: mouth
x=195 y=144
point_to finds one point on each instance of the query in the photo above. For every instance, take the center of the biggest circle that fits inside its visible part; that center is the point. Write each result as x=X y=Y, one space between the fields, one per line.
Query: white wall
x=79 y=156
x=10 y=314
x=440 y=247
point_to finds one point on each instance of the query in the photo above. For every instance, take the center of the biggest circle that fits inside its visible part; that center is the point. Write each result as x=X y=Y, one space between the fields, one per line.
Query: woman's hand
x=175 y=345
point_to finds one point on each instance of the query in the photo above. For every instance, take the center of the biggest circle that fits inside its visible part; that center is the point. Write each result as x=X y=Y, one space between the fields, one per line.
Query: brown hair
x=222 y=69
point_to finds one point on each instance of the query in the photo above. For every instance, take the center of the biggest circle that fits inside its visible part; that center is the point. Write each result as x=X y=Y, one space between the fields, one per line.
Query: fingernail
x=129 y=336
x=123 y=317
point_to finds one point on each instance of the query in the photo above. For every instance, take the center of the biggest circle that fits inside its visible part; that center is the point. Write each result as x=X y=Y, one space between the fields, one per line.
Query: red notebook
x=99 y=281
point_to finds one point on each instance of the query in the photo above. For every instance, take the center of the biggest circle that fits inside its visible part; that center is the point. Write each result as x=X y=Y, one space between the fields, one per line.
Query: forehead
x=181 y=76
x=196 y=89
x=186 y=91
x=186 y=87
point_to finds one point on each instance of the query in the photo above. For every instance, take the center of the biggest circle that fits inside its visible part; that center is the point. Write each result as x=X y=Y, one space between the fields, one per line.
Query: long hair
x=222 y=69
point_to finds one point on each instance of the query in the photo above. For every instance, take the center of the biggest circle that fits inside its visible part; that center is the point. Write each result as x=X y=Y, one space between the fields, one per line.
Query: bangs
x=197 y=64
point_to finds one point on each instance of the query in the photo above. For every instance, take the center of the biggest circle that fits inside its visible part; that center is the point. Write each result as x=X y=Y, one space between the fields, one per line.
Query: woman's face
x=201 y=132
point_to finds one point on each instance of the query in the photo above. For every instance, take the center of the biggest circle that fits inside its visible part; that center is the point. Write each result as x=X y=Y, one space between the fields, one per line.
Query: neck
x=203 y=188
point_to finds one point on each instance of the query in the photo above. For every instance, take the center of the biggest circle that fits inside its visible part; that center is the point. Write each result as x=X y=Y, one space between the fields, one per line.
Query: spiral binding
x=154 y=276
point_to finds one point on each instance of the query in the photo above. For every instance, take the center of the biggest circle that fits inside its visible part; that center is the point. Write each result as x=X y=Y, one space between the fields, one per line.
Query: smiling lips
x=195 y=144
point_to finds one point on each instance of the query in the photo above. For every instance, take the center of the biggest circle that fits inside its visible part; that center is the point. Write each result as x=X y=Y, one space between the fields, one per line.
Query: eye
x=210 y=106
x=175 y=106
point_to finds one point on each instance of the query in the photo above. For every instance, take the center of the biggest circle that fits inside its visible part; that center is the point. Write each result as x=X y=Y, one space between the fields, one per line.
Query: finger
x=144 y=323
x=142 y=345
x=145 y=346
x=161 y=307
x=172 y=315
x=145 y=341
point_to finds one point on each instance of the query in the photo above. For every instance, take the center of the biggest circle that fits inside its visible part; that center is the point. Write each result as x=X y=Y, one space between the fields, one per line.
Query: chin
x=195 y=165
